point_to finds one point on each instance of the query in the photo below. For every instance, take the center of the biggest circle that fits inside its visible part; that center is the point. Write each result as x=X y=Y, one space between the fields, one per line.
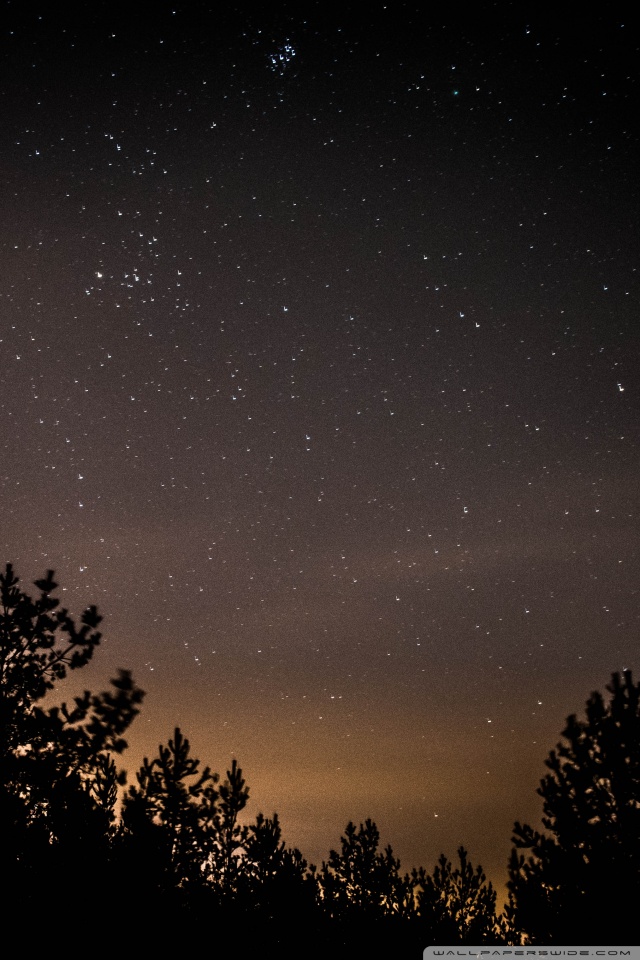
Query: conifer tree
x=573 y=883
x=275 y=880
x=362 y=881
x=170 y=817
x=456 y=905
x=58 y=780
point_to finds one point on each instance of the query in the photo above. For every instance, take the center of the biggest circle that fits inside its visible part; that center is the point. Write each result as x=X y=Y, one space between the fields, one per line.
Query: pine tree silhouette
x=456 y=905
x=574 y=883
x=58 y=780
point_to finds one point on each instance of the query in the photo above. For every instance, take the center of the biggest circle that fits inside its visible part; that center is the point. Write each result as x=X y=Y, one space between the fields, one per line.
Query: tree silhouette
x=368 y=905
x=456 y=905
x=576 y=881
x=227 y=852
x=58 y=780
x=38 y=645
x=182 y=830
x=276 y=881
x=362 y=881
x=179 y=852
x=170 y=817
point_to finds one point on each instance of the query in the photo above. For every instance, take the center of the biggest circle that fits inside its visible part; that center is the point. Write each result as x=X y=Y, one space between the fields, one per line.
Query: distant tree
x=276 y=881
x=361 y=881
x=574 y=883
x=227 y=853
x=182 y=831
x=58 y=779
x=170 y=818
x=456 y=906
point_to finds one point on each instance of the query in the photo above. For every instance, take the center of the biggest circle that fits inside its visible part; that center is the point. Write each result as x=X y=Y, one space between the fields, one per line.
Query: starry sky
x=318 y=375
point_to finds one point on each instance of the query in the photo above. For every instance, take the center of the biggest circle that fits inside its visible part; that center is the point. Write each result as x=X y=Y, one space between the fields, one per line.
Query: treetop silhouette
x=58 y=778
x=180 y=847
x=578 y=876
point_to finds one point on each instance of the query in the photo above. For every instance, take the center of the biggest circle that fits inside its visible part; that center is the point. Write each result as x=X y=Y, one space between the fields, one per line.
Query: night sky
x=319 y=376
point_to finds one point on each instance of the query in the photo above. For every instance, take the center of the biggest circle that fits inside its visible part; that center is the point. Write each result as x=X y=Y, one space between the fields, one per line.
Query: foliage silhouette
x=178 y=841
x=179 y=850
x=58 y=779
x=170 y=816
x=457 y=905
x=362 y=880
x=575 y=882
x=276 y=882
x=226 y=857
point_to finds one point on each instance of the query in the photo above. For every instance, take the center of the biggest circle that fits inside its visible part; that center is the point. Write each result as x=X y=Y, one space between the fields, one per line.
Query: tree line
x=83 y=850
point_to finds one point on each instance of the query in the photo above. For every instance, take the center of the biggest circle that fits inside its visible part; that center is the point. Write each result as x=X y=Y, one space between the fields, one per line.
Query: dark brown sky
x=318 y=374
